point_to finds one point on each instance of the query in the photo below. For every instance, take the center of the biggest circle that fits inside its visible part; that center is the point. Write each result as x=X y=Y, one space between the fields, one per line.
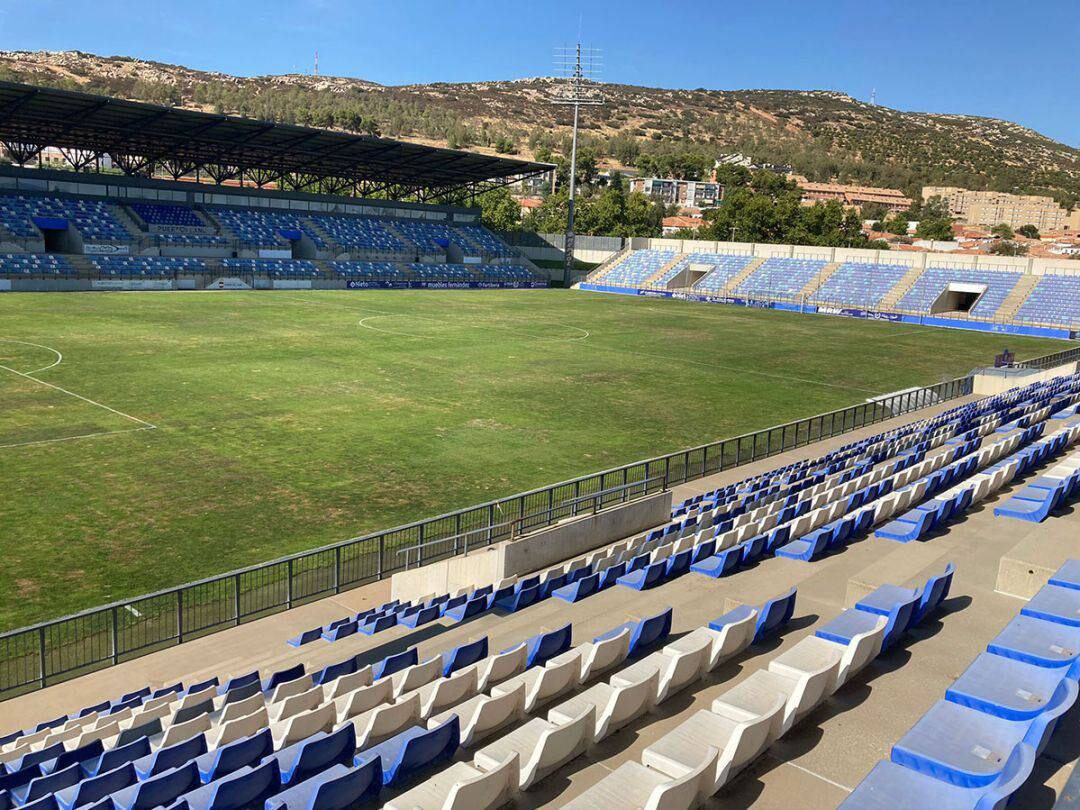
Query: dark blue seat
x=343 y=630
x=31 y=761
x=719 y=564
x=160 y=790
x=175 y=689
x=248 y=787
x=549 y=586
x=165 y=759
x=896 y=604
x=809 y=547
x=338 y=788
x=505 y=592
x=576 y=591
x=1055 y=604
x=395 y=663
x=773 y=615
x=335 y=671
x=522 y=598
x=420 y=616
x=890 y=785
x=464 y=655
x=750 y=550
x=644 y=578
x=312 y=756
x=732 y=616
x=283 y=676
x=198 y=687
x=473 y=607
x=452 y=602
x=545 y=646
x=234 y=756
x=84 y=753
x=678 y=564
x=609 y=576
x=115 y=757
x=377 y=625
x=44 y=785
x=241 y=692
x=413 y=750
x=239 y=681
x=637 y=563
x=644 y=633
x=50 y=803
x=777 y=537
x=911 y=525
x=933 y=594
x=703 y=550
x=578 y=574
x=97 y=788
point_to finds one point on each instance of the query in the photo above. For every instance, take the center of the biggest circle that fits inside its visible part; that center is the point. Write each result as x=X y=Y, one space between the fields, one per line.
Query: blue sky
x=1002 y=59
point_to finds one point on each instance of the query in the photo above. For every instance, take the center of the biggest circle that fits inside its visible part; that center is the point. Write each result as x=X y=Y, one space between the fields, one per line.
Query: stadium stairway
x=899 y=290
x=743 y=274
x=815 y=283
x=598 y=274
x=652 y=282
x=1017 y=296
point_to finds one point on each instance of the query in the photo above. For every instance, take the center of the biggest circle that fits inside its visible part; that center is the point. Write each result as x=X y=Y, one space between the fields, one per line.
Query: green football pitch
x=148 y=439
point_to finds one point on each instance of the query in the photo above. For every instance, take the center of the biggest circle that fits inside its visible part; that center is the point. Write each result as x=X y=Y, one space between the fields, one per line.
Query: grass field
x=148 y=439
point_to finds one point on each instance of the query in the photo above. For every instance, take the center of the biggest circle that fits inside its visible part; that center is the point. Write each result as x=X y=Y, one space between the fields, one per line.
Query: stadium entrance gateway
x=958 y=296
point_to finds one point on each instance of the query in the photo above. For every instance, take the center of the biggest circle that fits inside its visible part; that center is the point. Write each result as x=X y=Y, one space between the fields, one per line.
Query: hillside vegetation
x=823 y=135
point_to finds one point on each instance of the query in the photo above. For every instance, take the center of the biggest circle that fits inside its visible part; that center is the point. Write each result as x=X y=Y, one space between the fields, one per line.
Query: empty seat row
x=978 y=746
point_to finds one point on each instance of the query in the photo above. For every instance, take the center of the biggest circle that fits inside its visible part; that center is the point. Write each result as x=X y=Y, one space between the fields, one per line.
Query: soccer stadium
x=321 y=494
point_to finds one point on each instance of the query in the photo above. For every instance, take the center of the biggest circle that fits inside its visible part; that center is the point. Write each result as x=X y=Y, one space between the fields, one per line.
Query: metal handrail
x=514 y=525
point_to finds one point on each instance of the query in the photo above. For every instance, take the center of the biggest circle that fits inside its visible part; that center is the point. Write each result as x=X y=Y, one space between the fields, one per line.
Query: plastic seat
x=643 y=578
x=464 y=655
x=541 y=747
x=1068 y=576
x=337 y=788
x=969 y=748
x=115 y=757
x=423 y=615
x=444 y=692
x=394 y=663
x=542 y=684
x=315 y=754
x=472 y=607
x=676 y=669
x=413 y=750
x=644 y=633
x=160 y=790
x=165 y=759
x=482 y=715
x=719 y=564
x=935 y=592
x=234 y=756
x=97 y=788
x=634 y=785
x=462 y=787
x=385 y=721
x=773 y=615
x=896 y=604
x=545 y=646
x=247 y=787
x=1006 y=688
x=363 y=699
x=1054 y=604
x=582 y=588
x=893 y=787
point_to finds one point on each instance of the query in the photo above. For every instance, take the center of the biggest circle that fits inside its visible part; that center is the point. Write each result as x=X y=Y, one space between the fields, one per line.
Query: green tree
x=875 y=211
x=935 y=228
x=1005 y=247
x=1030 y=231
x=896 y=224
x=1002 y=231
x=499 y=210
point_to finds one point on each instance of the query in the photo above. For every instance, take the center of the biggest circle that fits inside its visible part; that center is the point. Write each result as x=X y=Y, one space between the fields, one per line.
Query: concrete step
x=743 y=274
x=654 y=279
x=815 y=283
x=893 y=296
x=1017 y=296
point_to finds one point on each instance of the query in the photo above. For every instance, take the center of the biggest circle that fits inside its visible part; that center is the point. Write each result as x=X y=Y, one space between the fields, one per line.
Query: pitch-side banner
x=445 y=285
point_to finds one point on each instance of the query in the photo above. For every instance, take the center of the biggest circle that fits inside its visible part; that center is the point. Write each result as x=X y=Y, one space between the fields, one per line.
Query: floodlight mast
x=577 y=86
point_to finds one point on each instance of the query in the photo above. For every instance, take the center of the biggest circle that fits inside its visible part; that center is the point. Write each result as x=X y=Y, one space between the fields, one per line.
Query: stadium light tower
x=577 y=85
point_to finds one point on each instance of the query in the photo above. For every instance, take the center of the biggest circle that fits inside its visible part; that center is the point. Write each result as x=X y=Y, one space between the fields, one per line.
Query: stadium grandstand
x=71 y=231
x=1018 y=296
x=873 y=607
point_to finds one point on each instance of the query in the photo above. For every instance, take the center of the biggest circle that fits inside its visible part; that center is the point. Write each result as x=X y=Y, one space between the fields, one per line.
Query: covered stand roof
x=143 y=137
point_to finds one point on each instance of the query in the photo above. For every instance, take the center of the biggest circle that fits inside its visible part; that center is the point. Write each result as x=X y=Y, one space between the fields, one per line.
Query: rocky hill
x=824 y=135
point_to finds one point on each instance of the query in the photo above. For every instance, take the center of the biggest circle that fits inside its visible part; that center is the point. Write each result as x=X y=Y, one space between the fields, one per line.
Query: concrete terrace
x=815 y=764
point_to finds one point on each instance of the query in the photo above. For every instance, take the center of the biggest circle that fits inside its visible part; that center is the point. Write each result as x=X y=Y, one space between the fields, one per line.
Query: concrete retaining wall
x=541 y=549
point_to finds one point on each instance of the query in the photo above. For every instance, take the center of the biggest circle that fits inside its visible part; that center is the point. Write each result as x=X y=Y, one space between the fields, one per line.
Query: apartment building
x=994 y=207
x=853 y=196
x=685 y=193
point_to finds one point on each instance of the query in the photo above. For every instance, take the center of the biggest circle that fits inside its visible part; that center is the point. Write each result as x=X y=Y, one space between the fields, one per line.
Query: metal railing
x=53 y=651
x=460 y=544
x=1051 y=360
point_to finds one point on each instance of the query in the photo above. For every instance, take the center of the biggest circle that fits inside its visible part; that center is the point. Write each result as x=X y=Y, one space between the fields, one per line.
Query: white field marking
x=136 y=419
x=73 y=438
x=59 y=357
x=819 y=776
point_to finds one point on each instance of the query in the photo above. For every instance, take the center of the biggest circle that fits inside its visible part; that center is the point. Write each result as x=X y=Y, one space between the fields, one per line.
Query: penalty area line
x=80 y=436
x=128 y=416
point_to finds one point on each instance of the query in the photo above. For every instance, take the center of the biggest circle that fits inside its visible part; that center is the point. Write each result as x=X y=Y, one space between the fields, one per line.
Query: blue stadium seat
x=338 y=788
x=414 y=750
x=464 y=655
